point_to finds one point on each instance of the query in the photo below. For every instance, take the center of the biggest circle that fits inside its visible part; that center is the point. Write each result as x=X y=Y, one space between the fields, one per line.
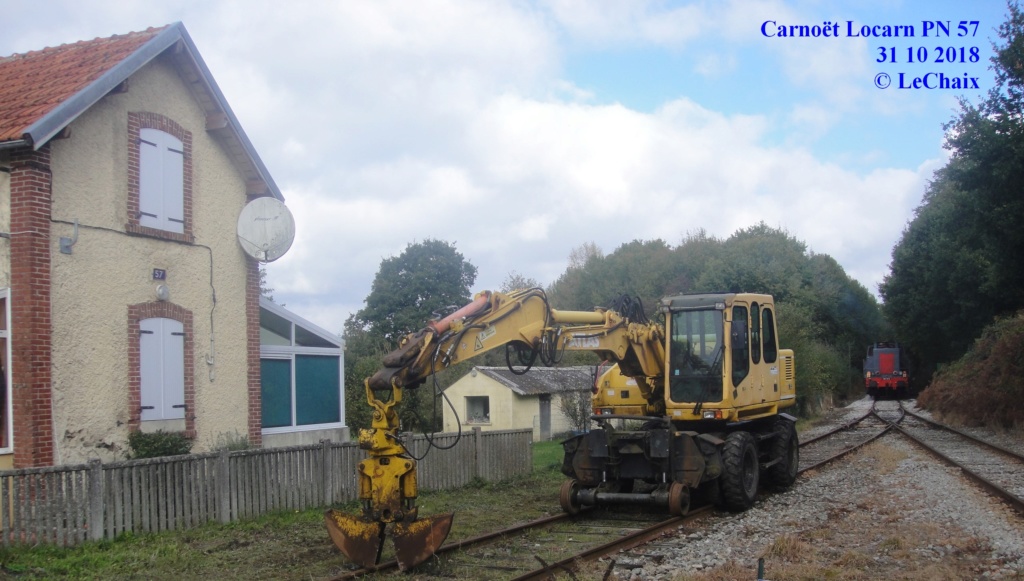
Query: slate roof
x=42 y=91
x=542 y=380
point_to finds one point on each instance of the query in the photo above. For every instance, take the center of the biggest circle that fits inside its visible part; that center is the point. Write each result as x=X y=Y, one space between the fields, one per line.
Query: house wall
x=5 y=225
x=509 y=411
x=110 y=270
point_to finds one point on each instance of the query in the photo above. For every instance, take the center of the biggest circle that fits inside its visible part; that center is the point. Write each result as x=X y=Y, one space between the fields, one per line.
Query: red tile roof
x=34 y=83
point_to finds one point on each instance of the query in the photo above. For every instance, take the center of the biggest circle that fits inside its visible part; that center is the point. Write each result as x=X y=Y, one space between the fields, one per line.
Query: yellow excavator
x=692 y=407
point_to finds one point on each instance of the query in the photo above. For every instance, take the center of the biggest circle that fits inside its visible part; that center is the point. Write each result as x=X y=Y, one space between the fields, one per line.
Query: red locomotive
x=885 y=371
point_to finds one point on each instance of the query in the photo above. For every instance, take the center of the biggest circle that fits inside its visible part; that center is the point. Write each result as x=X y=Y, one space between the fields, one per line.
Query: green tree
x=987 y=142
x=265 y=289
x=824 y=315
x=939 y=260
x=517 y=281
x=426 y=281
x=957 y=265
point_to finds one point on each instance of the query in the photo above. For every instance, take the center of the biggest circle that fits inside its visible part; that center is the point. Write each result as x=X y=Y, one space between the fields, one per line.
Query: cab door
x=740 y=356
x=755 y=368
x=775 y=385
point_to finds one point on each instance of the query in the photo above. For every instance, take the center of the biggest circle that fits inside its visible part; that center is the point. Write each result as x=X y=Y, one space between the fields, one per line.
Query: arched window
x=161 y=181
x=162 y=369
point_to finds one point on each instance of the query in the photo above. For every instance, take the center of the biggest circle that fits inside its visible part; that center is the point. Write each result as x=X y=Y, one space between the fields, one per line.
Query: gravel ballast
x=890 y=511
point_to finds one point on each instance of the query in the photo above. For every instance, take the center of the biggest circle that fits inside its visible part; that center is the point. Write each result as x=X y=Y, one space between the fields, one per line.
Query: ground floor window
x=302 y=390
x=301 y=370
x=162 y=369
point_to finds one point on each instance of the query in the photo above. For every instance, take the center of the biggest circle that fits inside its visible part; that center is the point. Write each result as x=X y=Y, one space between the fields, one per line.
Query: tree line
x=960 y=262
x=823 y=314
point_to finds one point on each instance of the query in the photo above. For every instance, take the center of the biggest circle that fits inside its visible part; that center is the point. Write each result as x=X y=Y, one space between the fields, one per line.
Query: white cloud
x=392 y=122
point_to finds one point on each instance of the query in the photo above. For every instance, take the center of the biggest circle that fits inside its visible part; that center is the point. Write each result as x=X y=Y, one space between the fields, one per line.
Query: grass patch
x=788 y=548
x=288 y=545
x=884 y=457
x=547 y=456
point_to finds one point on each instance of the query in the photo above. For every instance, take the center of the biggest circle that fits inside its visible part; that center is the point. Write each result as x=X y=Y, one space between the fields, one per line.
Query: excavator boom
x=523 y=322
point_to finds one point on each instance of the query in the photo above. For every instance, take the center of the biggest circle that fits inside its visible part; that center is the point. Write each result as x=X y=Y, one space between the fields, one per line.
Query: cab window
x=740 y=345
x=755 y=333
x=771 y=350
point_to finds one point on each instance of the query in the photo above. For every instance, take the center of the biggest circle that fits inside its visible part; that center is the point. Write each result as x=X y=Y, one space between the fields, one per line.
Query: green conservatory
x=302 y=372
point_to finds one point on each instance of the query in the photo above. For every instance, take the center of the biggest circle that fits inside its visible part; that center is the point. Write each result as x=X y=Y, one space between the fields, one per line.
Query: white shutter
x=162 y=369
x=150 y=179
x=161 y=181
x=151 y=368
x=174 y=370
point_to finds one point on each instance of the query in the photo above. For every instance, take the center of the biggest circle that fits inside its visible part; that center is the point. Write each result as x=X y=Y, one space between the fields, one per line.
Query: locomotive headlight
x=606 y=411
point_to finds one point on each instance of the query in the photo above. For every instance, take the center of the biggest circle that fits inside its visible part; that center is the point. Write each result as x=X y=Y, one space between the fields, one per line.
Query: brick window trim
x=146 y=120
x=164 y=310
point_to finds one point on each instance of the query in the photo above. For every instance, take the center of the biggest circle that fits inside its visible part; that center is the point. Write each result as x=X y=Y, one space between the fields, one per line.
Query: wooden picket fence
x=67 y=505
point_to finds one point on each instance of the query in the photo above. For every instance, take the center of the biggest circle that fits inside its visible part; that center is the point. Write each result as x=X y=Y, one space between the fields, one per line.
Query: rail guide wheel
x=569 y=497
x=678 y=499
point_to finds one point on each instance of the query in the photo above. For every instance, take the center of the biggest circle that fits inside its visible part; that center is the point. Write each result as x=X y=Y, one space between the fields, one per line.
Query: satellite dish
x=266 y=229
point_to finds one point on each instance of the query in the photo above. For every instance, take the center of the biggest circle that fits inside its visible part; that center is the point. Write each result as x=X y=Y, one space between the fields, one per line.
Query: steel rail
x=624 y=543
x=845 y=426
x=970 y=437
x=454 y=546
x=846 y=451
x=1012 y=499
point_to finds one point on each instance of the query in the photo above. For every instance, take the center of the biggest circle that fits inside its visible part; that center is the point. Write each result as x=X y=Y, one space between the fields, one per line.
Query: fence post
x=325 y=466
x=96 y=524
x=223 y=487
x=478 y=452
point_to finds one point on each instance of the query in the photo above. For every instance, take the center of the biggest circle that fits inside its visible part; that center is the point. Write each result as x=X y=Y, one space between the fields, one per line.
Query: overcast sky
x=521 y=130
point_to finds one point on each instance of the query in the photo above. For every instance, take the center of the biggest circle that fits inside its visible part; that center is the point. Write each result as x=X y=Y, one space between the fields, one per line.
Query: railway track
x=540 y=548
x=537 y=549
x=853 y=435
x=996 y=468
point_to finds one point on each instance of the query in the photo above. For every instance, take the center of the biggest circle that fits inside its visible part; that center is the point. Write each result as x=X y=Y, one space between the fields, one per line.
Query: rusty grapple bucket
x=362 y=541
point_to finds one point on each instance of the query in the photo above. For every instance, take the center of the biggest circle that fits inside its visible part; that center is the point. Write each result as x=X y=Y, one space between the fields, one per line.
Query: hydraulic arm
x=522 y=322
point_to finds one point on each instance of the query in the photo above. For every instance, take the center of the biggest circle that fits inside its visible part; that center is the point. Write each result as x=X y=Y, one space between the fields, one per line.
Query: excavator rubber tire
x=785 y=447
x=740 y=477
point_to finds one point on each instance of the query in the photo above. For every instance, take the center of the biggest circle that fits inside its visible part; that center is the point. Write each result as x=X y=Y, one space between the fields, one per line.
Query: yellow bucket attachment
x=362 y=541
x=417 y=541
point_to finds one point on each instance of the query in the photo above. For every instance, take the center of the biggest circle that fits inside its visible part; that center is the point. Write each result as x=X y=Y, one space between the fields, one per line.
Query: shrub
x=231 y=441
x=986 y=385
x=157 y=444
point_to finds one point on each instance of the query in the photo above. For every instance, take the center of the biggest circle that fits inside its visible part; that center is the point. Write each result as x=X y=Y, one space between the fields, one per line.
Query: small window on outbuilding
x=478 y=409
